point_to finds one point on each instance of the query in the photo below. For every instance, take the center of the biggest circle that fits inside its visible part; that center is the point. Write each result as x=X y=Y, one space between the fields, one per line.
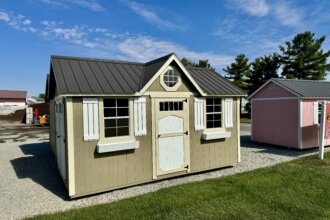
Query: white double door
x=172 y=135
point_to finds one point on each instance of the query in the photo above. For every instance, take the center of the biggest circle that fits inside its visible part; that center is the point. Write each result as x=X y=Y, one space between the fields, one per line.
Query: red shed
x=286 y=112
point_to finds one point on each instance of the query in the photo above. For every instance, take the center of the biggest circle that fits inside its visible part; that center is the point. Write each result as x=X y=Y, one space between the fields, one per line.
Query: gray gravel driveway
x=30 y=183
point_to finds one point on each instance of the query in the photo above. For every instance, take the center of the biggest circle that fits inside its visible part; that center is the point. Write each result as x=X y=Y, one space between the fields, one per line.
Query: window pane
x=122 y=112
x=209 y=117
x=123 y=122
x=180 y=105
x=110 y=132
x=109 y=102
x=176 y=106
x=109 y=112
x=217 y=101
x=161 y=106
x=166 y=106
x=217 y=108
x=217 y=124
x=209 y=101
x=209 y=108
x=122 y=102
x=123 y=131
x=170 y=108
x=109 y=123
x=209 y=124
x=217 y=116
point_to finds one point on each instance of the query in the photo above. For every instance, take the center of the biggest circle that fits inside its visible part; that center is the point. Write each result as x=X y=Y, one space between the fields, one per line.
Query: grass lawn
x=245 y=120
x=295 y=190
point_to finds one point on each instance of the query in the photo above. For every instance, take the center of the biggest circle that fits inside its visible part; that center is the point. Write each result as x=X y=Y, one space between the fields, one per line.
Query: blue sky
x=32 y=30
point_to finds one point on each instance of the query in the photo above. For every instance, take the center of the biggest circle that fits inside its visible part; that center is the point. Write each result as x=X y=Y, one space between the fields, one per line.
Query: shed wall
x=275 y=122
x=269 y=92
x=52 y=127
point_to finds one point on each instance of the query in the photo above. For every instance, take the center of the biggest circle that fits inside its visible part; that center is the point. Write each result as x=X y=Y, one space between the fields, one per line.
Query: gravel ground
x=31 y=185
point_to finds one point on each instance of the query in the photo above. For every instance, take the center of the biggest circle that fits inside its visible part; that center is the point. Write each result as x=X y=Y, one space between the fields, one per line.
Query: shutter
x=199 y=114
x=316 y=112
x=140 y=119
x=229 y=113
x=91 y=119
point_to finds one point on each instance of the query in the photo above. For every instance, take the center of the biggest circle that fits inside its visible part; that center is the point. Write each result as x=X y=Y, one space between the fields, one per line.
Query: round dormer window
x=170 y=79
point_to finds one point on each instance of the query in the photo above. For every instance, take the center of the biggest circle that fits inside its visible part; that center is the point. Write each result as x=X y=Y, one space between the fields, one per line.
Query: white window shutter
x=316 y=112
x=140 y=117
x=199 y=114
x=229 y=112
x=91 y=119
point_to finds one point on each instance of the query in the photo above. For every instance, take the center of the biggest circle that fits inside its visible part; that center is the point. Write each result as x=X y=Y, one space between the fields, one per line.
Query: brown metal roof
x=12 y=94
x=213 y=83
x=75 y=75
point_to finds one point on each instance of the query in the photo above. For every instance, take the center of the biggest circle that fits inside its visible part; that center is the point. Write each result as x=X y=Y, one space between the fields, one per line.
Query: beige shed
x=115 y=124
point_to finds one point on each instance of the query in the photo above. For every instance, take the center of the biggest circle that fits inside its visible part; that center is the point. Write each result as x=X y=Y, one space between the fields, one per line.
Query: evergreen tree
x=262 y=69
x=201 y=63
x=303 y=57
x=238 y=71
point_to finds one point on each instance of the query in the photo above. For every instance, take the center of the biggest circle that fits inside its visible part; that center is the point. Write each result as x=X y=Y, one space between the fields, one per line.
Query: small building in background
x=286 y=112
x=12 y=97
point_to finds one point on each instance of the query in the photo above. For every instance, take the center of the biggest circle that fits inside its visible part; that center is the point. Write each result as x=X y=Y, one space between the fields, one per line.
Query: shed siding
x=99 y=172
x=275 y=122
x=52 y=127
x=212 y=154
x=268 y=92
x=310 y=131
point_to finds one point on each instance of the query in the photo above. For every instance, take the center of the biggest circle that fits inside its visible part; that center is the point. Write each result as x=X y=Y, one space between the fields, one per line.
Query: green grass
x=295 y=190
x=245 y=120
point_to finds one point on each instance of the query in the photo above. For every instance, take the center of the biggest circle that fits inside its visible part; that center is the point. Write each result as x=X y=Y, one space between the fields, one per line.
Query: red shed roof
x=13 y=94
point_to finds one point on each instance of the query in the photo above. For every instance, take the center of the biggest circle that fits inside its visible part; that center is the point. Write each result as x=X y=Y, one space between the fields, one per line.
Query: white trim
x=300 y=142
x=274 y=98
x=91 y=119
x=215 y=135
x=140 y=116
x=70 y=147
x=169 y=94
x=316 y=113
x=178 y=83
x=277 y=83
x=228 y=111
x=172 y=58
x=238 y=124
x=199 y=114
x=105 y=148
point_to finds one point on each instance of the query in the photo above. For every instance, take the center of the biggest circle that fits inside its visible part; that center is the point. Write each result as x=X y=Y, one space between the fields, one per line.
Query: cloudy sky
x=32 y=30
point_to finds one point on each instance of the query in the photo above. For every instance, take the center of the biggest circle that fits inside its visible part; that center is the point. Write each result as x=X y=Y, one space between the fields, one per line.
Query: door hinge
x=186 y=167
x=186 y=133
x=186 y=100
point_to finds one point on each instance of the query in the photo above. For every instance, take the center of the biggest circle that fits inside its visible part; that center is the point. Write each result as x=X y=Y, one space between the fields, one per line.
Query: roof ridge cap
x=94 y=59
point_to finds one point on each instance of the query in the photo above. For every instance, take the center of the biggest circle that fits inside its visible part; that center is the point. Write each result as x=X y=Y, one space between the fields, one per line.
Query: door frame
x=60 y=153
x=163 y=96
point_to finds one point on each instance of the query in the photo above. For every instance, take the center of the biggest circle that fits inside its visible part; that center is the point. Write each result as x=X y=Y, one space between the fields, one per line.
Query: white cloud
x=151 y=16
x=4 y=16
x=26 y=22
x=91 y=5
x=88 y=4
x=253 y=7
x=288 y=15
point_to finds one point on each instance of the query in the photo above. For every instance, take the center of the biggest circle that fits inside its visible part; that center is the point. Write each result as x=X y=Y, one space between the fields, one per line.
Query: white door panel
x=170 y=124
x=171 y=153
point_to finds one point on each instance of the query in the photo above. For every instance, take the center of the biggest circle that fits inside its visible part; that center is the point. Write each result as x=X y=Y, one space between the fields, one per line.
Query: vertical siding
x=268 y=92
x=215 y=153
x=99 y=172
x=275 y=122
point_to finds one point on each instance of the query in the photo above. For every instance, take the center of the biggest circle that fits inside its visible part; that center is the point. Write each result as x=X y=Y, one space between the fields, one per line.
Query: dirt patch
x=18 y=116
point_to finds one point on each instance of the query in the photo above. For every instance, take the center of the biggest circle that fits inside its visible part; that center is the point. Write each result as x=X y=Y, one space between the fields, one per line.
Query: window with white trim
x=170 y=106
x=170 y=77
x=213 y=113
x=319 y=111
x=116 y=117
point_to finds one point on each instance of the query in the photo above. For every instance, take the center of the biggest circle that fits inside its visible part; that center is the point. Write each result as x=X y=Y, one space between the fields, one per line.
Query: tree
x=238 y=70
x=262 y=69
x=303 y=57
x=201 y=63
x=42 y=95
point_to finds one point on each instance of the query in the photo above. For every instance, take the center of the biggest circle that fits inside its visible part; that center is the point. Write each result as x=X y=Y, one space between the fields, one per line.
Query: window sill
x=129 y=145
x=213 y=135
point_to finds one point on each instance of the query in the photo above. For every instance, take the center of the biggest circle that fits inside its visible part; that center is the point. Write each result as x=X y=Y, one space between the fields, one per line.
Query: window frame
x=130 y=136
x=222 y=127
x=177 y=85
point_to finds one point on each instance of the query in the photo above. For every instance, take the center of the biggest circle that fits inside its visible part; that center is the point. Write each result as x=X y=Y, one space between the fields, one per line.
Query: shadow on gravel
x=272 y=149
x=40 y=166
